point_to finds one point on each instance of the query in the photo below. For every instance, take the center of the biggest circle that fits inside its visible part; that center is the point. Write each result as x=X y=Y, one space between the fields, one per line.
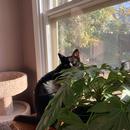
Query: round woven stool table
x=11 y=84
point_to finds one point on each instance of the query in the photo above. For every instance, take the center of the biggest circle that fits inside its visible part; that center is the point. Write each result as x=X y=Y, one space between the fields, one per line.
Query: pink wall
x=17 y=50
x=11 y=49
x=27 y=33
x=27 y=39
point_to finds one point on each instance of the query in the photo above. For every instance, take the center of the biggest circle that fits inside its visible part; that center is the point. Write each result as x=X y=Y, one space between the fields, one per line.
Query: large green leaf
x=116 y=117
x=107 y=106
x=110 y=89
x=97 y=122
x=72 y=73
x=71 y=127
x=48 y=118
x=117 y=120
x=68 y=97
x=97 y=86
x=100 y=107
x=52 y=110
x=115 y=76
x=70 y=118
x=78 y=87
x=97 y=83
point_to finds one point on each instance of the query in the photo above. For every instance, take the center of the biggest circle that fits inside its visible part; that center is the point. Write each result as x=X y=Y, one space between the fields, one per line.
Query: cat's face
x=69 y=61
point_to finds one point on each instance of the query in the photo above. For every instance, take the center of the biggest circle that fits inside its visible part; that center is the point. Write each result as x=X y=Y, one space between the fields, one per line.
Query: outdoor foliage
x=100 y=35
x=84 y=29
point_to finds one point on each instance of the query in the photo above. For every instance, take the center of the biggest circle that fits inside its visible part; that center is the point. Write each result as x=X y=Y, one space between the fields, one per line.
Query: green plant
x=97 y=89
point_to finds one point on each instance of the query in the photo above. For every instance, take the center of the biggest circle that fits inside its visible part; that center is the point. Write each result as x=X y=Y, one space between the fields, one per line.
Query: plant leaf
x=100 y=107
x=70 y=118
x=71 y=127
x=50 y=114
x=79 y=86
x=117 y=117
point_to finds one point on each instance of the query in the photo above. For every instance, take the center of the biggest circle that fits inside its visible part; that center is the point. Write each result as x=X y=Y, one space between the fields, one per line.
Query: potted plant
x=89 y=99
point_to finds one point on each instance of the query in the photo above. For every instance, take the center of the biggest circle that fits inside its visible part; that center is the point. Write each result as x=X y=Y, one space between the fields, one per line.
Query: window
x=100 y=29
x=55 y=3
x=103 y=36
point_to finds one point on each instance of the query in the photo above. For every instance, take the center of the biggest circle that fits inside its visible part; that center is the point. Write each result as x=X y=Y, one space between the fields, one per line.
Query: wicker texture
x=5 y=126
x=12 y=83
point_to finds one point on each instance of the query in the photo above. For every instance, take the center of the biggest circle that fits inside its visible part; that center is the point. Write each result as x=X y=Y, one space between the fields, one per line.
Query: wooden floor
x=22 y=126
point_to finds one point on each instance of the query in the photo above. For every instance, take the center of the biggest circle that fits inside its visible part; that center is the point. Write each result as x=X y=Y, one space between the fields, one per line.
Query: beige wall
x=27 y=39
x=17 y=50
x=11 y=50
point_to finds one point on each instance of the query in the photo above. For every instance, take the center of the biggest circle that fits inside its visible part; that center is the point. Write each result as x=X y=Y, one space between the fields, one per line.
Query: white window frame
x=45 y=27
x=39 y=39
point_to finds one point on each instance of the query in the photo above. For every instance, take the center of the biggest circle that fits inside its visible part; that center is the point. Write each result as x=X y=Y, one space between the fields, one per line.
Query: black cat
x=44 y=93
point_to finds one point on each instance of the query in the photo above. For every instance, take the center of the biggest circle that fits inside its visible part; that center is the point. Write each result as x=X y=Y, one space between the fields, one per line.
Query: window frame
x=39 y=39
x=45 y=25
x=72 y=7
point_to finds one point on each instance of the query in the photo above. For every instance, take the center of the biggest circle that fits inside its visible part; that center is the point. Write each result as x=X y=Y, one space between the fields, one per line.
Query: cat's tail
x=27 y=119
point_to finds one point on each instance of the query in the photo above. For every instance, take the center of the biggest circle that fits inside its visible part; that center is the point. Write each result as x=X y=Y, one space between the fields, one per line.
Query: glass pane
x=55 y=3
x=102 y=36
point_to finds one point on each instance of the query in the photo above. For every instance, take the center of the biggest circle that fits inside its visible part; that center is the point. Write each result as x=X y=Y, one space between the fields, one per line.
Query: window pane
x=55 y=3
x=103 y=36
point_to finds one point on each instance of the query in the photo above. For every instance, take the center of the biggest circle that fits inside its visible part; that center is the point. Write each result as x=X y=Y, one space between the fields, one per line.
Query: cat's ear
x=76 y=54
x=61 y=57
